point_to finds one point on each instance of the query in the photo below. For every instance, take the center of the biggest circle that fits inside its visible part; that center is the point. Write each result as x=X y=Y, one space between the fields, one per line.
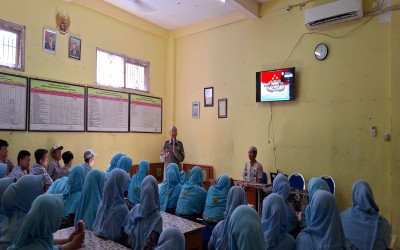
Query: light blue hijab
x=72 y=195
x=325 y=229
x=281 y=186
x=193 y=196
x=361 y=223
x=145 y=217
x=136 y=182
x=313 y=185
x=4 y=184
x=113 y=163
x=125 y=163
x=182 y=177
x=216 y=198
x=171 y=238
x=17 y=201
x=170 y=188
x=3 y=170
x=112 y=209
x=59 y=186
x=274 y=223
x=92 y=194
x=219 y=237
x=37 y=230
x=245 y=230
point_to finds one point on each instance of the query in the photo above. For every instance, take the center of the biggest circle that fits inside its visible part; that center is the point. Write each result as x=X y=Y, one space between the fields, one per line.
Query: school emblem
x=185 y=193
x=215 y=200
x=136 y=190
x=169 y=193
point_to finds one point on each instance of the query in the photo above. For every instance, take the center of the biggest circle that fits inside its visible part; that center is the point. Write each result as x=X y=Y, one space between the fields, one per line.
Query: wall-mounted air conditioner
x=335 y=12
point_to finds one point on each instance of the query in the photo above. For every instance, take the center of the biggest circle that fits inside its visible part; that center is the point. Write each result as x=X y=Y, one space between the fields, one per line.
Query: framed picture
x=49 y=41
x=74 y=48
x=222 y=108
x=208 y=97
x=196 y=110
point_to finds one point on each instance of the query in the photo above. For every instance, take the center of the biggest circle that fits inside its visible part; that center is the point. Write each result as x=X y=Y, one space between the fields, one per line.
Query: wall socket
x=373 y=130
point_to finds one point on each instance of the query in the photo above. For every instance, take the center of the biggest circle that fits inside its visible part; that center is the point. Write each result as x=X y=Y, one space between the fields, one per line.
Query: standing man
x=172 y=150
x=253 y=170
x=54 y=166
x=4 y=154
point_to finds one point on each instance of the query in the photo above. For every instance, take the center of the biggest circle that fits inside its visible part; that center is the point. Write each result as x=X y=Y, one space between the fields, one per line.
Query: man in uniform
x=253 y=170
x=172 y=150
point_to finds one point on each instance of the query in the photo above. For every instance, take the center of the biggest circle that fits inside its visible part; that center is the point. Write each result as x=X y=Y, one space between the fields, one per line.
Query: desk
x=91 y=240
x=190 y=229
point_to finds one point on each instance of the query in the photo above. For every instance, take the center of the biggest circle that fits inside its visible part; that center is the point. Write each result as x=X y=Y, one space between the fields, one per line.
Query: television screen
x=275 y=85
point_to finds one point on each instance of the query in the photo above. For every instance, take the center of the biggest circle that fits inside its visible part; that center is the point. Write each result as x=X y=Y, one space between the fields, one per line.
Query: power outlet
x=373 y=130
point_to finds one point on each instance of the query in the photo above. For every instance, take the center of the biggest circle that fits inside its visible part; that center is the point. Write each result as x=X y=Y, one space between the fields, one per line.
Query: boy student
x=88 y=156
x=54 y=166
x=67 y=159
x=3 y=155
x=23 y=159
x=39 y=168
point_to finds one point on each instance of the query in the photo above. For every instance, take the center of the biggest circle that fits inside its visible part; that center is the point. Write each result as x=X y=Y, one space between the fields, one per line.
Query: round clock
x=321 y=51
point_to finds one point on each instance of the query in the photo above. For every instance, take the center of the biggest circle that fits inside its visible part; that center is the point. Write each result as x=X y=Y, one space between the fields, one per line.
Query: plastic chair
x=264 y=179
x=331 y=183
x=296 y=181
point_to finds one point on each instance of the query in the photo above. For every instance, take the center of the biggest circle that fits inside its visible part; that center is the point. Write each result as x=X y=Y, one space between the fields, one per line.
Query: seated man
x=3 y=155
x=24 y=158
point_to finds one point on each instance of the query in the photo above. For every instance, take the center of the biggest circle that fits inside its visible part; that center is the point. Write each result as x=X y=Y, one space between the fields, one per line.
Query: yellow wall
x=326 y=130
x=95 y=30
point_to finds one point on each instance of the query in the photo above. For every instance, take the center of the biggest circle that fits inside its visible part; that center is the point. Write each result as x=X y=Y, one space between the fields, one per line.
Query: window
x=120 y=71
x=12 y=44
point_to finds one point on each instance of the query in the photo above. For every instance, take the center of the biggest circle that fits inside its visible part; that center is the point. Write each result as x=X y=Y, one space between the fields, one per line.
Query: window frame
x=19 y=30
x=128 y=60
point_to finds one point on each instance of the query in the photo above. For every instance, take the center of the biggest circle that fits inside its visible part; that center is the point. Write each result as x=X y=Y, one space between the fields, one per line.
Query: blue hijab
x=37 y=230
x=325 y=229
x=361 y=221
x=4 y=184
x=281 y=186
x=182 y=177
x=193 y=196
x=245 y=230
x=112 y=209
x=274 y=223
x=113 y=163
x=313 y=185
x=17 y=201
x=3 y=170
x=136 y=182
x=219 y=237
x=59 y=186
x=72 y=195
x=216 y=198
x=125 y=163
x=145 y=217
x=170 y=188
x=171 y=238
x=92 y=194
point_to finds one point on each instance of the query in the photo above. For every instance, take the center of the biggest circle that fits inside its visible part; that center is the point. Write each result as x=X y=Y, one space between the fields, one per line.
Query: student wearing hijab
x=38 y=227
x=125 y=163
x=4 y=184
x=245 y=230
x=170 y=189
x=281 y=186
x=113 y=163
x=325 y=228
x=17 y=201
x=313 y=185
x=362 y=224
x=59 y=186
x=216 y=200
x=92 y=193
x=193 y=196
x=274 y=223
x=171 y=238
x=136 y=182
x=182 y=177
x=143 y=224
x=3 y=170
x=112 y=209
x=219 y=237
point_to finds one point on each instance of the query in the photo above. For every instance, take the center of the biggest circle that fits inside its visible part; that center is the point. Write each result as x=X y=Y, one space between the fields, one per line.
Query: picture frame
x=209 y=97
x=74 y=48
x=196 y=110
x=49 y=40
x=223 y=108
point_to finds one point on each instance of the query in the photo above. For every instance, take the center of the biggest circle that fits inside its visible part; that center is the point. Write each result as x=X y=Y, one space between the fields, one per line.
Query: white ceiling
x=175 y=14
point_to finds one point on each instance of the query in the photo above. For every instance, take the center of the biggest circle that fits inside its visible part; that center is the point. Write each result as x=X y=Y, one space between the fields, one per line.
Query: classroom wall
x=126 y=35
x=326 y=130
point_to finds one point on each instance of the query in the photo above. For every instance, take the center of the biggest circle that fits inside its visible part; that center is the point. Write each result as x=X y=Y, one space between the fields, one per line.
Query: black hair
x=87 y=159
x=67 y=157
x=22 y=154
x=3 y=143
x=39 y=154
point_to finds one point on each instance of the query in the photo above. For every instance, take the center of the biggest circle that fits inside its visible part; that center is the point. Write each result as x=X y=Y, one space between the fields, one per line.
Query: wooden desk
x=207 y=170
x=190 y=229
x=91 y=240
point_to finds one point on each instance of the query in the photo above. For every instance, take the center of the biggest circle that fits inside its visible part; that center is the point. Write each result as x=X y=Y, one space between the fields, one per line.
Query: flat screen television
x=275 y=85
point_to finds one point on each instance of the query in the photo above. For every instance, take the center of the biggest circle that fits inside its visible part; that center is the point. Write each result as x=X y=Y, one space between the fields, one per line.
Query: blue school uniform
x=216 y=198
x=59 y=186
x=313 y=185
x=72 y=195
x=136 y=182
x=4 y=184
x=170 y=188
x=113 y=164
x=171 y=238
